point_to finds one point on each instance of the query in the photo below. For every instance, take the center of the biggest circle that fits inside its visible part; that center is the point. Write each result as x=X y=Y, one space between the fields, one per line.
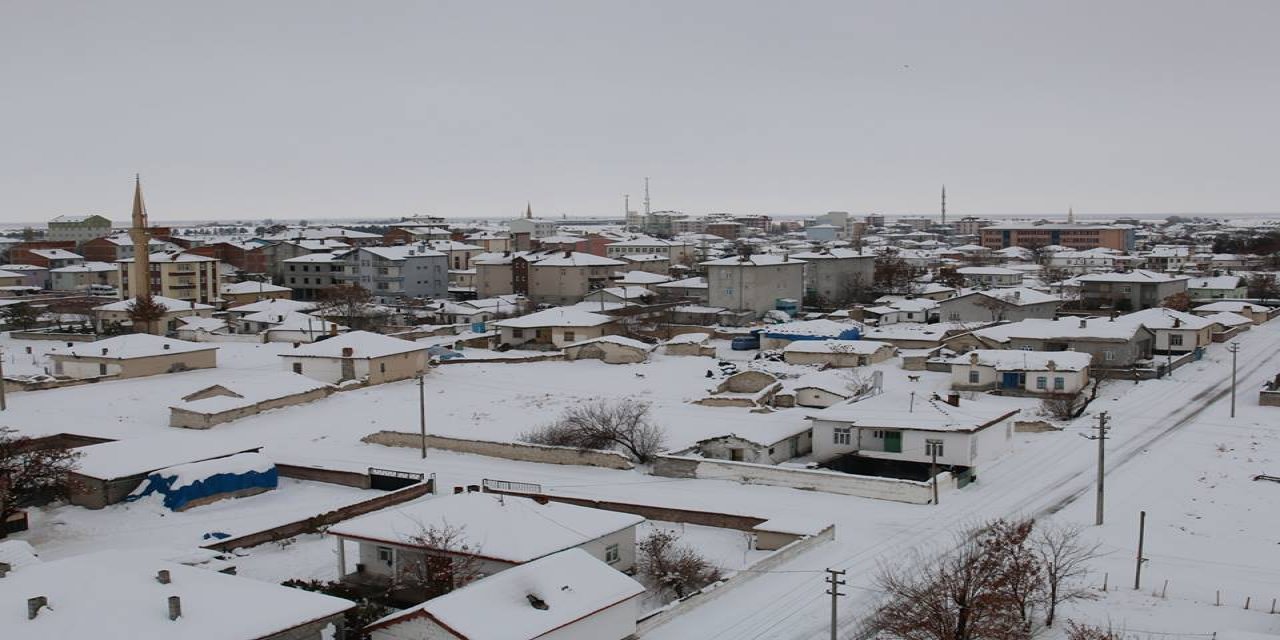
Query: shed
x=108 y=472
x=359 y=355
x=609 y=349
x=690 y=344
x=838 y=353
x=199 y=483
x=243 y=397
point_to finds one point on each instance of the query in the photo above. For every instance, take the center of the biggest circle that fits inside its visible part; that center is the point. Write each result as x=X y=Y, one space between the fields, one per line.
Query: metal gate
x=390 y=480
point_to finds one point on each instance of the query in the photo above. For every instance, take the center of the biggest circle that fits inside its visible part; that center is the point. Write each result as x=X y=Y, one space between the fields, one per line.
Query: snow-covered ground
x=1174 y=452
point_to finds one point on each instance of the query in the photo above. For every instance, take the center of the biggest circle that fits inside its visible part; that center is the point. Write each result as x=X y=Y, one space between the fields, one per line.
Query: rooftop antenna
x=646 y=196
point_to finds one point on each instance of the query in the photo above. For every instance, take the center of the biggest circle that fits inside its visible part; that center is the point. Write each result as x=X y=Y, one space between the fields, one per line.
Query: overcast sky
x=342 y=109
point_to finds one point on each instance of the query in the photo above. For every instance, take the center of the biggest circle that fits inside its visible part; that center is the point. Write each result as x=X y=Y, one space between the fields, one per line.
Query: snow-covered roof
x=556 y=317
x=115 y=594
x=1162 y=318
x=859 y=347
x=1216 y=282
x=294 y=321
x=505 y=528
x=693 y=337
x=17 y=553
x=1228 y=319
x=1062 y=328
x=1019 y=360
x=1233 y=306
x=987 y=271
x=173 y=256
x=1135 y=276
x=171 y=305
x=197 y=323
x=403 y=252
x=618 y=340
x=123 y=458
x=754 y=260
x=132 y=345
x=643 y=257
x=23 y=267
x=832 y=254
x=363 y=344
x=572 y=585
x=77 y=218
x=247 y=389
x=249 y=286
x=627 y=292
x=576 y=259
x=1014 y=296
x=696 y=282
x=84 y=267
x=314 y=257
x=56 y=254
x=642 y=278
x=897 y=410
x=274 y=305
x=821 y=328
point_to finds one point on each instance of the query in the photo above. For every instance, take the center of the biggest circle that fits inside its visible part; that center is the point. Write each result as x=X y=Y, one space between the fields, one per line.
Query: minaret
x=528 y=210
x=944 y=204
x=1071 y=216
x=646 y=196
x=140 y=275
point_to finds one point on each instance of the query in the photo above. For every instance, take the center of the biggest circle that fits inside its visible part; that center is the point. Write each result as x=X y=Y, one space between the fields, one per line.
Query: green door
x=893 y=441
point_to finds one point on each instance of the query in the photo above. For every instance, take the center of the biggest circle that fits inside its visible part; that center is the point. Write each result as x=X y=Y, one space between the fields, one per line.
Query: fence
x=510 y=486
x=507 y=450
x=314 y=523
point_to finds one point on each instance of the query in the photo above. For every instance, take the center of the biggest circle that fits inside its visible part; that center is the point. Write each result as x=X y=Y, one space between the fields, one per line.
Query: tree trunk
x=1052 y=605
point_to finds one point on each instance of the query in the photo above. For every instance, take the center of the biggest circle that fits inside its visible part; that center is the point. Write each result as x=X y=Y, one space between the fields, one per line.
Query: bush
x=674 y=567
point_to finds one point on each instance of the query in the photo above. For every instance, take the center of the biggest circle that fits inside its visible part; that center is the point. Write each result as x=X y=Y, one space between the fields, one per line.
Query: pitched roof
x=171 y=304
x=363 y=344
x=1020 y=360
x=898 y=411
x=556 y=317
x=753 y=260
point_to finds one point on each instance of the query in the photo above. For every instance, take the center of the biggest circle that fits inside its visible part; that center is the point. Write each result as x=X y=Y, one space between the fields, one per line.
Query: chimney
x=34 y=605
x=104 y=351
x=537 y=603
x=457 y=490
x=1017 y=295
x=953 y=398
x=333 y=328
x=166 y=346
x=973 y=357
x=568 y=254
x=162 y=576
x=71 y=344
x=175 y=607
x=347 y=352
x=1084 y=323
x=1177 y=322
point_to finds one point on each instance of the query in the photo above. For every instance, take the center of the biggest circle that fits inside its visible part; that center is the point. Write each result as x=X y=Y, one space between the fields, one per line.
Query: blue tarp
x=847 y=334
x=161 y=482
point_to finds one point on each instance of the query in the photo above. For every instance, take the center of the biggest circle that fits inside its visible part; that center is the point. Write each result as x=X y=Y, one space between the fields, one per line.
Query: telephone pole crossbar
x=1234 y=348
x=1101 y=438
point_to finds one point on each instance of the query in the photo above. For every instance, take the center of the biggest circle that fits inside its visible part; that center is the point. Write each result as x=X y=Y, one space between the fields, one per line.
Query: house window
x=843 y=435
x=1059 y=384
x=1108 y=355
x=1175 y=339
x=297 y=367
x=973 y=376
x=611 y=554
x=382 y=367
x=933 y=447
x=102 y=369
x=386 y=555
x=517 y=333
x=1042 y=382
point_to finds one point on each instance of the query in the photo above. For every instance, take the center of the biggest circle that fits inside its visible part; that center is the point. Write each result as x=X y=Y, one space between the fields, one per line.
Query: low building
x=1255 y=312
x=117 y=313
x=243 y=397
x=137 y=594
x=241 y=293
x=693 y=289
x=492 y=532
x=1018 y=371
x=359 y=355
x=1217 y=288
x=1113 y=345
x=780 y=335
x=609 y=349
x=131 y=356
x=1175 y=331
x=1128 y=291
x=759 y=444
x=107 y=473
x=567 y=596
x=1010 y=305
x=32 y=275
x=838 y=353
x=87 y=276
x=553 y=328
x=690 y=344
x=991 y=277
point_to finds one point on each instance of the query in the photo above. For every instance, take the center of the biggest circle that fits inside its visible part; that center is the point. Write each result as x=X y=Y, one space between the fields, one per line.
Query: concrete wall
x=179 y=417
x=506 y=450
x=607 y=352
x=879 y=488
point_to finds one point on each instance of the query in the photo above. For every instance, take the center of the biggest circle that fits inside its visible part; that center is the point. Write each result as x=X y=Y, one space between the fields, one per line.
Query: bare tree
x=19 y=316
x=1062 y=406
x=29 y=473
x=963 y=595
x=993 y=303
x=672 y=566
x=1179 y=301
x=352 y=305
x=1009 y=541
x=447 y=560
x=146 y=312
x=1263 y=287
x=604 y=424
x=1064 y=556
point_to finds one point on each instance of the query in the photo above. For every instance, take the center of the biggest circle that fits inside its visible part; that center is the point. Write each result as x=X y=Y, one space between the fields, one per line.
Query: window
x=1108 y=355
x=843 y=435
x=1175 y=340
x=386 y=555
x=973 y=376
x=297 y=367
x=1042 y=382
x=569 y=336
x=517 y=333
x=611 y=554
x=933 y=447
x=102 y=369
x=382 y=367
x=1059 y=384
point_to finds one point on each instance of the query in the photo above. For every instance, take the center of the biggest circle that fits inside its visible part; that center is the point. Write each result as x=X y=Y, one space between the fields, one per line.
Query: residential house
x=913 y=432
x=390 y=273
x=1113 y=345
x=836 y=276
x=1132 y=290
x=991 y=277
x=694 y=289
x=216 y=404
x=675 y=251
x=1012 y=305
x=47 y=258
x=553 y=328
x=117 y=313
x=567 y=596
x=651 y=262
x=458 y=253
x=88 y=276
x=178 y=275
x=32 y=275
x=562 y=277
x=131 y=356
x=767 y=442
x=241 y=293
x=311 y=275
x=838 y=353
x=495 y=533
x=754 y=283
x=777 y=336
x=1175 y=331
x=690 y=344
x=138 y=594
x=1019 y=371
x=118 y=247
x=77 y=228
x=359 y=355
x=1255 y=312
x=1217 y=288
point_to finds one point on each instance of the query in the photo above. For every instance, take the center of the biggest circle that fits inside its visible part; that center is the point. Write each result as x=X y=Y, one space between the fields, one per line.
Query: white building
x=358 y=355
x=565 y=596
x=1032 y=372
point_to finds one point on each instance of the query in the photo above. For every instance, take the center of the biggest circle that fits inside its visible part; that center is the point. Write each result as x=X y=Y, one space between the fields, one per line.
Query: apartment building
x=545 y=277
x=835 y=276
x=754 y=283
x=78 y=228
x=396 y=272
x=311 y=275
x=179 y=275
x=1072 y=236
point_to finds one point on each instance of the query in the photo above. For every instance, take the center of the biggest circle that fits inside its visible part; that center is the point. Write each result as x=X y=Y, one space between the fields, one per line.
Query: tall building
x=78 y=228
x=1072 y=236
x=177 y=274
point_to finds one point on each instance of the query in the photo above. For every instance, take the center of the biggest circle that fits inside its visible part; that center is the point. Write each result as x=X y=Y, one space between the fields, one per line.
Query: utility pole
x=3 y=405
x=834 y=582
x=1101 y=437
x=1142 y=531
x=422 y=411
x=934 y=445
x=1234 y=348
